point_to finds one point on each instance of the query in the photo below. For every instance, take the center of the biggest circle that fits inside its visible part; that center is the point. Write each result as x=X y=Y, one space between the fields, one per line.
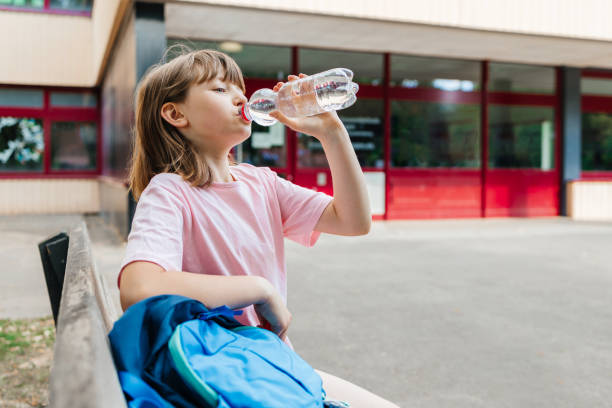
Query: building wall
x=195 y=20
x=117 y=102
x=101 y=50
x=44 y=196
x=50 y=49
x=590 y=200
x=114 y=204
x=588 y=19
x=45 y=49
x=107 y=17
x=117 y=118
x=58 y=50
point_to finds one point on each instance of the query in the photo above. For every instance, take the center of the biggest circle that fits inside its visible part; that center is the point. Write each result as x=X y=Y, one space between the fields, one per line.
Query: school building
x=466 y=108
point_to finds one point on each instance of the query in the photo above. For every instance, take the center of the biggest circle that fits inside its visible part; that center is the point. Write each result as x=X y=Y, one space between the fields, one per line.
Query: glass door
x=521 y=177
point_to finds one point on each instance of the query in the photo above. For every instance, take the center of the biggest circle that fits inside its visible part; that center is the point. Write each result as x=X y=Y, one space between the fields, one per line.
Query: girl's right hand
x=272 y=310
x=323 y=125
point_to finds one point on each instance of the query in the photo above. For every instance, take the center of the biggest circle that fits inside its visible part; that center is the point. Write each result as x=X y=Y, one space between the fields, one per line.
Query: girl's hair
x=159 y=147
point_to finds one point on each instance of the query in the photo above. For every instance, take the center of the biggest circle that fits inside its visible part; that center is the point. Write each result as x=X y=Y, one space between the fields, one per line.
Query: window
x=596 y=89
x=83 y=6
x=364 y=123
x=437 y=73
x=367 y=67
x=32 y=120
x=74 y=99
x=74 y=5
x=21 y=138
x=35 y=4
x=521 y=78
x=435 y=112
x=596 y=86
x=265 y=147
x=597 y=141
x=425 y=134
x=521 y=137
x=73 y=146
x=21 y=144
x=21 y=98
x=255 y=61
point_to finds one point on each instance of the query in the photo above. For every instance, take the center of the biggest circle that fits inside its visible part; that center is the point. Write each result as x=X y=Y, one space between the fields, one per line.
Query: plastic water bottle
x=322 y=92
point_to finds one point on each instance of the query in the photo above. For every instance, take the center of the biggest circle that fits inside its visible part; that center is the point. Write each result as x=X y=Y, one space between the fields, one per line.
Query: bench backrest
x=83 y=373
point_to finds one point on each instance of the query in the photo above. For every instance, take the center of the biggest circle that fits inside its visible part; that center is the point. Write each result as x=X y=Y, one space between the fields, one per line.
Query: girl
x=212 y=230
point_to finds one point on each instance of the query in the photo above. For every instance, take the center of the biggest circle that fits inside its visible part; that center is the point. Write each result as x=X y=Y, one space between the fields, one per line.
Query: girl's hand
x=273 y=314
x=319 y=126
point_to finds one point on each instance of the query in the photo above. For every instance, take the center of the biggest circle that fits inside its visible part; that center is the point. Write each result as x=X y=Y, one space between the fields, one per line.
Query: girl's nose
x=241 y=99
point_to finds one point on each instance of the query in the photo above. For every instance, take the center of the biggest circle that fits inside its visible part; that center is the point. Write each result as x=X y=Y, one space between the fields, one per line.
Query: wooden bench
x=83 y=373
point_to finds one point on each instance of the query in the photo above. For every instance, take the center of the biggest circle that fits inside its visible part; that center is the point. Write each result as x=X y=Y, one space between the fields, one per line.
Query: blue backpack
x=172 y=351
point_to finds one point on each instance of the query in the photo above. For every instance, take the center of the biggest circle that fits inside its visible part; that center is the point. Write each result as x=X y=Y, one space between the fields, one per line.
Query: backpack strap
x=142 y=394
x=219 y=311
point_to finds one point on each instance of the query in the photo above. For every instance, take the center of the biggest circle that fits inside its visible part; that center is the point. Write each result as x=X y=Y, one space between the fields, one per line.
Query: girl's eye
x=220 y=89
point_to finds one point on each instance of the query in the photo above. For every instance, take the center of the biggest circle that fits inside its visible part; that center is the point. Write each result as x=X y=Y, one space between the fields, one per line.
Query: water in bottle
x=322 y=92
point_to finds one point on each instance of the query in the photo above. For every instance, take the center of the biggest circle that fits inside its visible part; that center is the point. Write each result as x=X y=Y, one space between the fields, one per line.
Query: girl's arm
x=140 y=280
x=349 y=212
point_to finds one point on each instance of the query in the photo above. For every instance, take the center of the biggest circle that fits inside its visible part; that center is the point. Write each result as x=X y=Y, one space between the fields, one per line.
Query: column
x=150 y=32
x=571 y=143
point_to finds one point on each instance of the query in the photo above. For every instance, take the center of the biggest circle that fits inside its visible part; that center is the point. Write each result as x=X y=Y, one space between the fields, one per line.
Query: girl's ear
x=173 y=115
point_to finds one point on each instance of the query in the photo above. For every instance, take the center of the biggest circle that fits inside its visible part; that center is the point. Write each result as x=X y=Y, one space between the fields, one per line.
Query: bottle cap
x=245 y=113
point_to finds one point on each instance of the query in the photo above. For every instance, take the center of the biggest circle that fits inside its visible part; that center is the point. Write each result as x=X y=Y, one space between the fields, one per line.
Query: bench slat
x=83 y=373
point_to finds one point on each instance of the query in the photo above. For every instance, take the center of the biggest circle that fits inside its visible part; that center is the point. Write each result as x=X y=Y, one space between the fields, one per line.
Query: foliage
x=597 y=141
x=21 y=143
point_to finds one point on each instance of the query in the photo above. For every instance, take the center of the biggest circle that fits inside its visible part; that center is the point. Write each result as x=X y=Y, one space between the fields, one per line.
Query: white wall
x=58 y=50
x=45 y=49
x=49 y=196
x=590 y=200
x=414 y=28
x=588 y=19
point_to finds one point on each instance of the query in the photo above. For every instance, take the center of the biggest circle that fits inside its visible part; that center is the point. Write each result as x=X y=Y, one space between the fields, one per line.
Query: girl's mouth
x=242 y=116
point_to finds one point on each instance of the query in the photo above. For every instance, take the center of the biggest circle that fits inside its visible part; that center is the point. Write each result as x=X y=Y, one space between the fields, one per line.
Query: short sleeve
x=300 y=209
x=157 y=229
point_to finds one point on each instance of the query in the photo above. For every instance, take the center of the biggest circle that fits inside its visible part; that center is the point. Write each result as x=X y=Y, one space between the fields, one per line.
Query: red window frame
x=541 y=186
x=485 y=99
x=409 y=180
x=49 y=114
x=592 y=104
x=307 y=176
x=252 y=85
x=47 y=10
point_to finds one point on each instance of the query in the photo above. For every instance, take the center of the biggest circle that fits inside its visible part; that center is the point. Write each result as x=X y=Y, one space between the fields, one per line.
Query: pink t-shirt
x=234 y=228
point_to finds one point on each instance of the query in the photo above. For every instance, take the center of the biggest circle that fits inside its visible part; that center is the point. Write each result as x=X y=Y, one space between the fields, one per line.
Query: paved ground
x=23 y=292
x=474 y=313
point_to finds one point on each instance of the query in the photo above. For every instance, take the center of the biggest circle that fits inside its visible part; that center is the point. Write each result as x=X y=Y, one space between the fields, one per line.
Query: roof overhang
x=260 y=26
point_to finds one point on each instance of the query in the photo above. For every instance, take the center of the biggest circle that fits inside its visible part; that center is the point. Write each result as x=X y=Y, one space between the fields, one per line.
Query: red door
x=521 y=177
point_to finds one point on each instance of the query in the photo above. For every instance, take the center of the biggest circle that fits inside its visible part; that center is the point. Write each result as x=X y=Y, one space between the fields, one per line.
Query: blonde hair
x=158 y=147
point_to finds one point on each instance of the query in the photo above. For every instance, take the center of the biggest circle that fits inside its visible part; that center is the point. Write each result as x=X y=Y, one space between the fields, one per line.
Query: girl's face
x=212 y=110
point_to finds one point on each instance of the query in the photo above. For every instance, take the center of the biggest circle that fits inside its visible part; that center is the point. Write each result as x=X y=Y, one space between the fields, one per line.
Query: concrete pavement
x=474 y=313
x=23 y=292
x=453 y=313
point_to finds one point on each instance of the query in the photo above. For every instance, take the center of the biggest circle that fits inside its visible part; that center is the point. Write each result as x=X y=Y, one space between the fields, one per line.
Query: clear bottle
x=323 y=92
